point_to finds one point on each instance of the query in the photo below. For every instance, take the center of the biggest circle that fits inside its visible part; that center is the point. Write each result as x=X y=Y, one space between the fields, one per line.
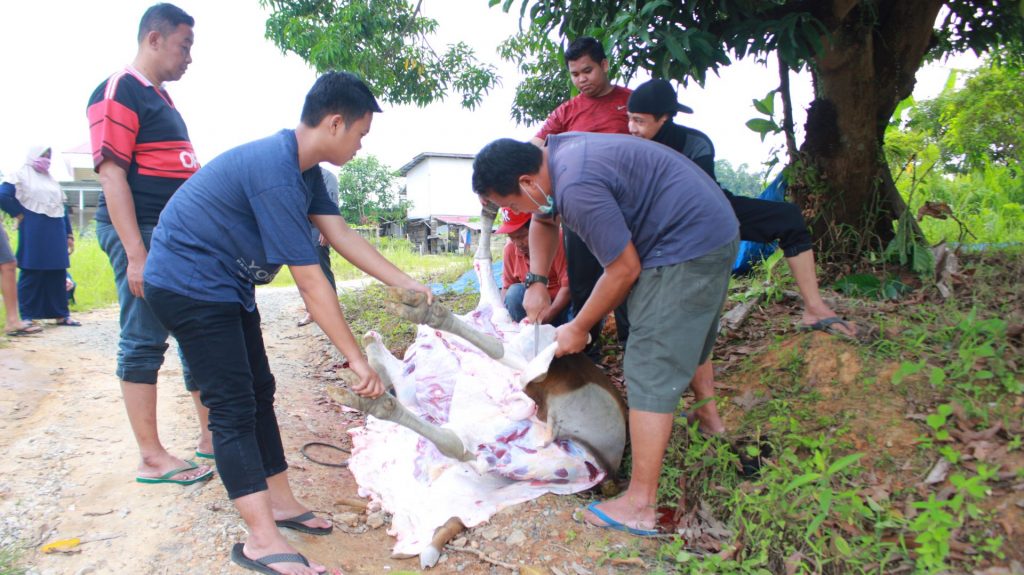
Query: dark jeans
x=514 y=304
x=143 y=340
x=766 y=221
x=224 y=347
x=584 y=270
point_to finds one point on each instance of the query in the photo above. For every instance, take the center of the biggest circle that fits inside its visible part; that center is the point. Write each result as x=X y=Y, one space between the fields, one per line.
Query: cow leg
x=388 y=408
x=413 y=306
x=384 y=363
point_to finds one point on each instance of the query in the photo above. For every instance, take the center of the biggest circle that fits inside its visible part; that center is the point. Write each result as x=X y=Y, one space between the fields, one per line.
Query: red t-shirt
x=135 y=124
x=606 y=115
x=516 y=266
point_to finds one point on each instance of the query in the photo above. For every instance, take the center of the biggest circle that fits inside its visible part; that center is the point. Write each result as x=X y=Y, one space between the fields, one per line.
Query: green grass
x=10 y=561
x=816 y=508
x=398 y=252
x=91 y=269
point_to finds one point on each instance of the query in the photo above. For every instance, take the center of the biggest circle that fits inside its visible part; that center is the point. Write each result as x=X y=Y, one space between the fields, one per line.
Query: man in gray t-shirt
x=666 y=238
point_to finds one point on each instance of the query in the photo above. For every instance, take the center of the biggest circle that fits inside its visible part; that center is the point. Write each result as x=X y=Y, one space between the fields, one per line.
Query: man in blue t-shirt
x=230 y=228
x=666 y=237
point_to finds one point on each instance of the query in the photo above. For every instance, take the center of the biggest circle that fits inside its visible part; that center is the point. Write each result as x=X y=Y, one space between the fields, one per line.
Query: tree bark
x=842 y=180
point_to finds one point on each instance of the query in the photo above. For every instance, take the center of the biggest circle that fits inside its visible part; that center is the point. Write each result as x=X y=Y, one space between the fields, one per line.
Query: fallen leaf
x=938 y=473
x=634 y=561
x=61 y=546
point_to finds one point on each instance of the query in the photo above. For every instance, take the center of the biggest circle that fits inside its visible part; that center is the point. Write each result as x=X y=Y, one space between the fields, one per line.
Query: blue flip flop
x=166 y=477
x=610 y=523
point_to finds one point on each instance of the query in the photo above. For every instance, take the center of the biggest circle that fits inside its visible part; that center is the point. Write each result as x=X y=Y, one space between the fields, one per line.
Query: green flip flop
x=202 y=455
x=166 y=477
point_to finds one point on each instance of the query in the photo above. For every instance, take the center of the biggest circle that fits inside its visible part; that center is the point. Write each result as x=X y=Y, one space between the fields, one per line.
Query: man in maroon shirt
x=599 y=107
x=602 y=107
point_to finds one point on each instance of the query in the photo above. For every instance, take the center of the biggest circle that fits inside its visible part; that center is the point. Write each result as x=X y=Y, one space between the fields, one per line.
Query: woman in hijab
x=33 y=198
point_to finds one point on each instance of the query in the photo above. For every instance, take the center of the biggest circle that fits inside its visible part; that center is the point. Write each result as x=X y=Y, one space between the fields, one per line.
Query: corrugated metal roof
x=419 y=158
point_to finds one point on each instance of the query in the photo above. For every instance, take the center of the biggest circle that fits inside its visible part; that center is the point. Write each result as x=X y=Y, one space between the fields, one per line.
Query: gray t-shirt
x=611 y=189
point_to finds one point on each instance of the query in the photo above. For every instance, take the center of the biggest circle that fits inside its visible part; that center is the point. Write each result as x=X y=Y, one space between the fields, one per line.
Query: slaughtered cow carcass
x=476 y=421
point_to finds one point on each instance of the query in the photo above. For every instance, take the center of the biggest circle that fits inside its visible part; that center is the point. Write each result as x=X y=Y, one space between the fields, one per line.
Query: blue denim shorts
x=6 y=255
x=143 y=341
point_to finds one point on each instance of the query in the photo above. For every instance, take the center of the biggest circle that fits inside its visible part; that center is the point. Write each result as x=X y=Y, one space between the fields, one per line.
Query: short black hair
x=338 y=93
x=585 y=46
x=163 y=18
x=498 y=165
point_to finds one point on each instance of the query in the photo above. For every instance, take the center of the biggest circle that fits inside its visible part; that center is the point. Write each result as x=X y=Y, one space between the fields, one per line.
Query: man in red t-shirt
x=516 y=266
x=599 y=107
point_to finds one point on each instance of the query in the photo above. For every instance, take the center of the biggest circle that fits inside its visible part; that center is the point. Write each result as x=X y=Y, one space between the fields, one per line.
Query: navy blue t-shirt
x=612 y=189
x=234 y=223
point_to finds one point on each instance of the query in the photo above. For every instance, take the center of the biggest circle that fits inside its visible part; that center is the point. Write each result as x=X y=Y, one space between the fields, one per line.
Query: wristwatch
x=532 y=278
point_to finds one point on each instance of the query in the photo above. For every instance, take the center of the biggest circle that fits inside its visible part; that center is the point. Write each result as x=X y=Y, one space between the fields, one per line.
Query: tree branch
x=787 y=110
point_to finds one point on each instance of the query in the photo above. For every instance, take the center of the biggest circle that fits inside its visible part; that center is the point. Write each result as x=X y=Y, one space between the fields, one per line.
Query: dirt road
x=68 y=469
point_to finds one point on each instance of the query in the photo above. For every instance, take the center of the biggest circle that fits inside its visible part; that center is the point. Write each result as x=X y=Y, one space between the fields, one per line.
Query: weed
x=10 y=561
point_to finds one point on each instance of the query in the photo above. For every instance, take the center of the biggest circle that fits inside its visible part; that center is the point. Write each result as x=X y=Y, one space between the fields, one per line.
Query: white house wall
x=441 y=186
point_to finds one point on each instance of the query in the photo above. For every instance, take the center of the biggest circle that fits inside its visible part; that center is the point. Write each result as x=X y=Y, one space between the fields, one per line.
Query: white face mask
x=545 y=209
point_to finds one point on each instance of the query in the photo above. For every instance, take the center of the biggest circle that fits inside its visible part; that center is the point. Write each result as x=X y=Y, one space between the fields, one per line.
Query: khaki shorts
x=673 y=314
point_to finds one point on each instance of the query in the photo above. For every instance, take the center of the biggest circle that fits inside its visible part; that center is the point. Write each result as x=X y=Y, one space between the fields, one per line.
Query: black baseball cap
x=655 y=97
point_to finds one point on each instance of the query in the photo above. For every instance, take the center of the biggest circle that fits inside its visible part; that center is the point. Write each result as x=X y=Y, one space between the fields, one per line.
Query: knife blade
x=536 y=338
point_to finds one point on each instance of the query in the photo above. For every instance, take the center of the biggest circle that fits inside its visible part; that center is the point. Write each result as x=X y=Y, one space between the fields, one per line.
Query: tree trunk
x=841 y=178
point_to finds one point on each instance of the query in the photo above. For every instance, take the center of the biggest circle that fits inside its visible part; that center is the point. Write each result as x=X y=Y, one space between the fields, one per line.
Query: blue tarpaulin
x=751 y=253
x=467 y=282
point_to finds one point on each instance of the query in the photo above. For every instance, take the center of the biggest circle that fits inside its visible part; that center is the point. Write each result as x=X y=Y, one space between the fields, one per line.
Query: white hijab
x=38 y=193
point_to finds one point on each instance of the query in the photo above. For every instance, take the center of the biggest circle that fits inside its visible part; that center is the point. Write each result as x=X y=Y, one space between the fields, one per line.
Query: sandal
x=69 y=322
x=27 y=329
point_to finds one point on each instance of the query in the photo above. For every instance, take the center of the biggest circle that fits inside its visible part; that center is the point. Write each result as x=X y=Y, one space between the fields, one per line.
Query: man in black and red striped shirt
x=141 y=150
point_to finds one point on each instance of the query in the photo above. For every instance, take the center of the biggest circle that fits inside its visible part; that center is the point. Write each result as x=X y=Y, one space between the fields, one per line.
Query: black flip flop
x=297 y=524
x=262 y=565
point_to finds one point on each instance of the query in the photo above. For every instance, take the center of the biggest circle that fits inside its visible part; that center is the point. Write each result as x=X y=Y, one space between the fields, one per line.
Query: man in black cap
x=651 y=108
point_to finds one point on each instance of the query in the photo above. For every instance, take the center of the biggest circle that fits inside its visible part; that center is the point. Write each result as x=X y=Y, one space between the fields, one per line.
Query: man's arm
x=610 y=290
x=543 y=245
x=322 y=304
x=558 y=305
x=364 y=256
x=121 y=207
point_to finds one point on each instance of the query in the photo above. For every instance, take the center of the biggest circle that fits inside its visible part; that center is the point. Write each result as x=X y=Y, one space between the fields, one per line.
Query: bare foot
x=252 y=551
x=708 y=420
x=155 y=467
x=625 y=512
x=205 y=445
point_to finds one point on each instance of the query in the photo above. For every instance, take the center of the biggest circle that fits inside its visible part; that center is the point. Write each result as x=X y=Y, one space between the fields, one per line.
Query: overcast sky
x=240 y=87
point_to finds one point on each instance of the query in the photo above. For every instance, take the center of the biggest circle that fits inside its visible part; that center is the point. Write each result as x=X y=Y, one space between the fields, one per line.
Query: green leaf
x=844 y=463
x=935 y=421
x=766 y=105
x=802 y=480
x=841 y=545
x=763 y=127
x=865 y=285
x=945 y=410
x=906 y=369
x=937 y=377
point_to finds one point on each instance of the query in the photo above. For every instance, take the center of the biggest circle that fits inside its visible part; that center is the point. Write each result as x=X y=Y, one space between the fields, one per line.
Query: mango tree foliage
x=368 y=193
x=979 y=124
x=386 y=42
x=862 y=54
